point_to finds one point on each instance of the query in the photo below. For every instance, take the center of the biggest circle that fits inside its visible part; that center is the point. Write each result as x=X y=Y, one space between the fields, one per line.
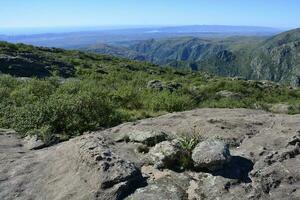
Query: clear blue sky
x=52 y=13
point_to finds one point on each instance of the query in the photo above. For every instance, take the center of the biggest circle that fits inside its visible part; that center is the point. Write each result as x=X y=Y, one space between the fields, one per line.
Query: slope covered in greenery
x=278 y=58
x=69 y=92
x=275 y=58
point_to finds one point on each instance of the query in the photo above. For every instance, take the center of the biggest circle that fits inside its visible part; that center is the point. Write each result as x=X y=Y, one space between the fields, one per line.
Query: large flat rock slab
x=265 y=162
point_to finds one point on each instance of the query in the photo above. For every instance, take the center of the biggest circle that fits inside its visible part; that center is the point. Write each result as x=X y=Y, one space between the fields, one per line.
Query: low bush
x=72 y=106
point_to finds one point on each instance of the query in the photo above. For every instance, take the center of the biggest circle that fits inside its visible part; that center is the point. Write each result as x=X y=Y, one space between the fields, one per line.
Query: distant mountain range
x=75 y=39
x=274 y=58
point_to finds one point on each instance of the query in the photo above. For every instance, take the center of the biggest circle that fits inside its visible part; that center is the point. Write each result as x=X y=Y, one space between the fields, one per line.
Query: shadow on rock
x=127 y=191
x=237 y=168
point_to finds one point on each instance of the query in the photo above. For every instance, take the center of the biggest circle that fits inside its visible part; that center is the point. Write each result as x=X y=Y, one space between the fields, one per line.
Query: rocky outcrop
x=264 y=149
x=211 y=155
x=158 y=85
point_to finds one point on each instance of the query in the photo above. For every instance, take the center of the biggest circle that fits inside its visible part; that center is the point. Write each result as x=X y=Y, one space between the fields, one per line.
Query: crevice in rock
x=131 y=187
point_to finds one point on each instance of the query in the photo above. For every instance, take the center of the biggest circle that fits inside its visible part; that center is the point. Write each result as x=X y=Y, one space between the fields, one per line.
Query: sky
x=77 y=13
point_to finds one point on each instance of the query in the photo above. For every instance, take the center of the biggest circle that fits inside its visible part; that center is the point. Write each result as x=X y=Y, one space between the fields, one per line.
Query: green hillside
x=278 y=59
x=69 y=92
x=275 y=58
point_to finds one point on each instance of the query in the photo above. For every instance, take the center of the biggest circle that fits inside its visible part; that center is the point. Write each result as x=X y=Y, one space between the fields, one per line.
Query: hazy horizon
x=59 y=15
x=70 y=29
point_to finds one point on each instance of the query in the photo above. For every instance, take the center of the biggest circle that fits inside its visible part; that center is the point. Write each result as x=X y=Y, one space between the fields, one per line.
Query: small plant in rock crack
x=187 y=144
x=189 y=140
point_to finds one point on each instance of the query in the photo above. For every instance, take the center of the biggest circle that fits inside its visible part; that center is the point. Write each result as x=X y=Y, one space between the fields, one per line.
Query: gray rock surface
x=211 y=155
x=162 y=189
x=82 y=168
x=165 y=154
x=111 y=168
x=264 y=161
x=147 y=137
x=33 y=142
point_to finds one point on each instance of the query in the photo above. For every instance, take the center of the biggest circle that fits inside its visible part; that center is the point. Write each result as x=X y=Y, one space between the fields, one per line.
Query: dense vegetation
x=70 y=92
x=275 y=58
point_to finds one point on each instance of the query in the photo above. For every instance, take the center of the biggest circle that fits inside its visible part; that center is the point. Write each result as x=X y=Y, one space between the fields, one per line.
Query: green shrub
x=82 y=112
x=169 y=101
x=70 y=110
x=128 y=96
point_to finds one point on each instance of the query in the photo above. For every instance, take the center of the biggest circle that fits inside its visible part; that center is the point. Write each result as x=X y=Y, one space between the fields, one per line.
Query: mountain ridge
x=275 y=58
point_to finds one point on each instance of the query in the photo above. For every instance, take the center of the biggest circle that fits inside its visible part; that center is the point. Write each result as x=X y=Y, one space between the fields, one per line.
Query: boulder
x=33 y=142
x=211 y=155
x=165 y=154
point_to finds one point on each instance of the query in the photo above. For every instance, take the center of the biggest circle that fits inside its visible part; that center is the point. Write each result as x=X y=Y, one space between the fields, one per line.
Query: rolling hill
x=272 y=58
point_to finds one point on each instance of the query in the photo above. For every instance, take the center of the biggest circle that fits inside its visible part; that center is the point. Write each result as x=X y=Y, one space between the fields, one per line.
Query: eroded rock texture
x=264 y=161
